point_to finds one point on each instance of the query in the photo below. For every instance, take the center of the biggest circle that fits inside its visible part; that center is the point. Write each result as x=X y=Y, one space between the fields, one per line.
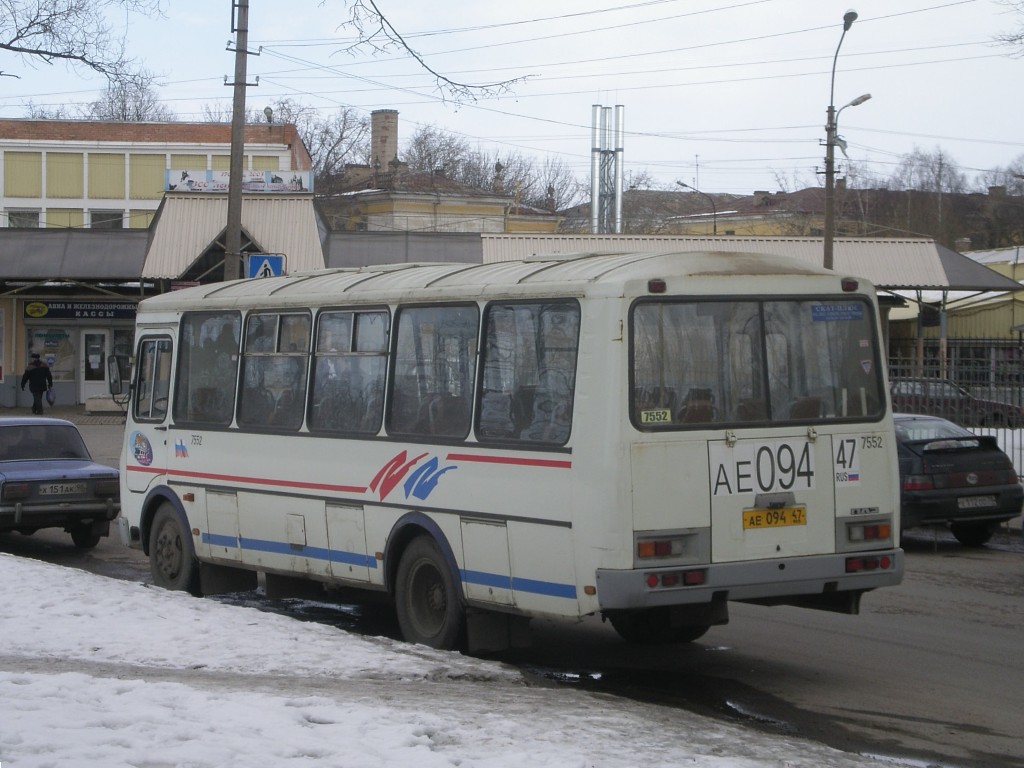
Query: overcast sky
x=727 y=96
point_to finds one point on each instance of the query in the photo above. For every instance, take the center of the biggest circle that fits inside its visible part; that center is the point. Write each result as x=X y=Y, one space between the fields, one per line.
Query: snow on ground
x=96 y=672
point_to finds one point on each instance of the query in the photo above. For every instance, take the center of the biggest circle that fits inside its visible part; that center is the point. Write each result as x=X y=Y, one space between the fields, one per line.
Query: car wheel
x=427 y=599
x=972 y=534
x=172 y=558
x=84 y=537
x=652 y=627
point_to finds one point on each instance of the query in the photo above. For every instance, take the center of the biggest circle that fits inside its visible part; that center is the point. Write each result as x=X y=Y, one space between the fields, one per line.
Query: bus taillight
x=870 y=532
x=648 y=548
x=872 y=563
x=693 y=578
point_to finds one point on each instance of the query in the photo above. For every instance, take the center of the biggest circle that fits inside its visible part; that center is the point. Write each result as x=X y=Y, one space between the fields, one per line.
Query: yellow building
x=78 y=202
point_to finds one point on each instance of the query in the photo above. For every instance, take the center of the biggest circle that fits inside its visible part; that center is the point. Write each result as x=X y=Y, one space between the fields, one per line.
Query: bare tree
x=78 y=32
x=431 y=149
x=928 y=172
x=376 y=31
x=333 y=140
x=130 y=99
x=1011 y=177
x=1015 y=37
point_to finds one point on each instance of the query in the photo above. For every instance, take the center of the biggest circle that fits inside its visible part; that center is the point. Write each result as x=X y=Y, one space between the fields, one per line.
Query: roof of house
x=188 y=224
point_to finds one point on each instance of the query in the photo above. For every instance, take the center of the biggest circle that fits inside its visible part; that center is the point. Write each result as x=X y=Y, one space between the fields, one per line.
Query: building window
x=23 y=219
x=106 y=219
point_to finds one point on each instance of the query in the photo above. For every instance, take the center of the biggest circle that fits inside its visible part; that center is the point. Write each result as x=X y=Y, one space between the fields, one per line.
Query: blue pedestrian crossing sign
x=264 y=264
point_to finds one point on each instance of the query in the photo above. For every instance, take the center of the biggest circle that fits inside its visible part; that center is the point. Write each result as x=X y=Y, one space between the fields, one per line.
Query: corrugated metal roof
x=188 y=223
x=888 y=263
x=557 y=273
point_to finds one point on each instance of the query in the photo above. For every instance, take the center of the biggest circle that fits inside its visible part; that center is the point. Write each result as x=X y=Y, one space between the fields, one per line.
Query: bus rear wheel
x=653 y=626
x=427 y=600
x=172 y=558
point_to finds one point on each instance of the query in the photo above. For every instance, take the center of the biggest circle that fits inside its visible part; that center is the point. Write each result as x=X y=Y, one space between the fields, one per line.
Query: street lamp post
x=830 y=145
x=714 y=209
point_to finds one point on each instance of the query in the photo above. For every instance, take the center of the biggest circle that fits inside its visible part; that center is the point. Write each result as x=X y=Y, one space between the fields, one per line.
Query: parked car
x=953 y=477
x=946 y=399
x=49 y=480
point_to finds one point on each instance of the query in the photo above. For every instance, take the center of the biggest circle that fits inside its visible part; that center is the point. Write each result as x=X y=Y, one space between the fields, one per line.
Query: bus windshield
x=700 y=362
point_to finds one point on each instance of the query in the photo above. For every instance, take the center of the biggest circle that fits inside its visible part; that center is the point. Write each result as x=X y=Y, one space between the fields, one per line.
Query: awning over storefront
x=92 y=255
x=187 y=224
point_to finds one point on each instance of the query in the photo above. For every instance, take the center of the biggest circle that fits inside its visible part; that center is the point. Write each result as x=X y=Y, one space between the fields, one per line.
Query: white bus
x=643 y=437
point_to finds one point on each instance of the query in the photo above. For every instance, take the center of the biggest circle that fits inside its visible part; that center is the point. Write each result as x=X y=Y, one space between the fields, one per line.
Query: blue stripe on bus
x=547 y=588
x=535 y=586
x=282 y=548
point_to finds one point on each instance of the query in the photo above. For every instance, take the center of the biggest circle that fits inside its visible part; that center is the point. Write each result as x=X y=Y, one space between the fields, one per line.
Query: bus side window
x=207 y=368
x=435 y=367
x=274 y=370
x=153 y=379
x=529 y=371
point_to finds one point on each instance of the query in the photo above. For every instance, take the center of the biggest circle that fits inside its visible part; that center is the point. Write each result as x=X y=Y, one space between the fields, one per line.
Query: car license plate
x=61 y=489
x=976 y=502
x=774 y=518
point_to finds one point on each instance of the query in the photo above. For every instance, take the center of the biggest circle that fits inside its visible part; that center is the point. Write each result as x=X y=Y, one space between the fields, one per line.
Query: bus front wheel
x=427 y=600
x=172 y=558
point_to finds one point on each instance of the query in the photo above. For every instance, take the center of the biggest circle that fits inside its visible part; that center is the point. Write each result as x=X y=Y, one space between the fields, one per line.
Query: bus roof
x=544 y=275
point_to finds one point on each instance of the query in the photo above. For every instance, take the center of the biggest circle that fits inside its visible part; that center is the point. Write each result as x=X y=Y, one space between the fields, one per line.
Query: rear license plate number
x=61 y=489
x=774 y=518
x=976 y=502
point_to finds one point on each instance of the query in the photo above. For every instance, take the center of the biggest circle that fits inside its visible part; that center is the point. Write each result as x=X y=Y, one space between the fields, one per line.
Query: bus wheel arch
x=172 y=554
x=423 y=579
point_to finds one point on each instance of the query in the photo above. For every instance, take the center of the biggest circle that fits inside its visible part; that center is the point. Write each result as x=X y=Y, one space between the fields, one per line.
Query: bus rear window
x=735 y=362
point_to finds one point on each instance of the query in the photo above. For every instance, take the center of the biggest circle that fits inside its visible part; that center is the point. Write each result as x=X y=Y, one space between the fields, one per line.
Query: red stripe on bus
x=253 y=480
x=551 y=463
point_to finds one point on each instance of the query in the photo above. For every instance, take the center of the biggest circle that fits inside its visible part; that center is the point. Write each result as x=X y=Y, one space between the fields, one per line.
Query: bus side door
x=145 y=453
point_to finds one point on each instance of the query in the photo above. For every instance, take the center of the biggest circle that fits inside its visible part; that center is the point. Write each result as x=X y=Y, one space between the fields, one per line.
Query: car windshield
x=926 y=428
x=25 y=442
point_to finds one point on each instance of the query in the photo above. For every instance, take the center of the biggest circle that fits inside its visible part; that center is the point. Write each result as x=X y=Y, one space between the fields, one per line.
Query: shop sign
x=80 y=310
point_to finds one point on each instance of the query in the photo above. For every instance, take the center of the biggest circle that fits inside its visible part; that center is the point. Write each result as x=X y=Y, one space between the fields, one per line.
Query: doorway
x=92 y=364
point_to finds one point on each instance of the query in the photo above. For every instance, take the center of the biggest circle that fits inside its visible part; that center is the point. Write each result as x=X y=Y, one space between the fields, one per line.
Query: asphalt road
x=931 y=670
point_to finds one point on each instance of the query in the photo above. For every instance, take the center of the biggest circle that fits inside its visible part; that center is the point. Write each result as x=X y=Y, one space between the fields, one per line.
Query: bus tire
x=653 y=627
x=427 y=600
x=172 y=558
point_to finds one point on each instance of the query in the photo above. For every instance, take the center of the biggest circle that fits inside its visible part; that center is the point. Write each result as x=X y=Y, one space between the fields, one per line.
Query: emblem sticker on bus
x=756 y=467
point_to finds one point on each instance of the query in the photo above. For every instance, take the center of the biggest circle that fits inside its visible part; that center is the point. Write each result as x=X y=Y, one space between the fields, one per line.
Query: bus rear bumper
x=779 y=580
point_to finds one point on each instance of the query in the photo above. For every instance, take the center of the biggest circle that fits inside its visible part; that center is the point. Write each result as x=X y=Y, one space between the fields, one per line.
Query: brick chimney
x=383 y=137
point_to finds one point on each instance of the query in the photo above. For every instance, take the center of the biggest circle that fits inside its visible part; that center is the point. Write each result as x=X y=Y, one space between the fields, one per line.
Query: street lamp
x=830 y=144
x=714 y=210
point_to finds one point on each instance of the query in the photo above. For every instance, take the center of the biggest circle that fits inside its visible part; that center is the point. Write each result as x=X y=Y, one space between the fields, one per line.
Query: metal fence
x=990 y=371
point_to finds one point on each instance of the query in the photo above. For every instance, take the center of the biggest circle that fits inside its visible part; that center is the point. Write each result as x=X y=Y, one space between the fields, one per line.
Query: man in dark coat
x=39 y=379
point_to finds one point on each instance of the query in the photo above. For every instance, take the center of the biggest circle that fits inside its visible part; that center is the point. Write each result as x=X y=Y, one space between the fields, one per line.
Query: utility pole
x=233 y=234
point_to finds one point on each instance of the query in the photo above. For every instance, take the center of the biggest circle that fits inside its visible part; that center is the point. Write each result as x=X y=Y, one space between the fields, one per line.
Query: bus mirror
x=114 y=376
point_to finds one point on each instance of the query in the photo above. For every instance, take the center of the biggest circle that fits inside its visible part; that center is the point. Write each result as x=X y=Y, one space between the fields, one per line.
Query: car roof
x=27 y=421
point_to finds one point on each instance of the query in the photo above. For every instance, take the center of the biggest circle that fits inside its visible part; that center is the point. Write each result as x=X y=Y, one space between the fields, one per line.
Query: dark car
x=953 y=477
x=946 y=399
x=49 y=480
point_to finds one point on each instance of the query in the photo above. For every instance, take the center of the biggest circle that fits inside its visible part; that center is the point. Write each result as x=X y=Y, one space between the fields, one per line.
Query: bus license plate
x=774 y=518
x=61 y=489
